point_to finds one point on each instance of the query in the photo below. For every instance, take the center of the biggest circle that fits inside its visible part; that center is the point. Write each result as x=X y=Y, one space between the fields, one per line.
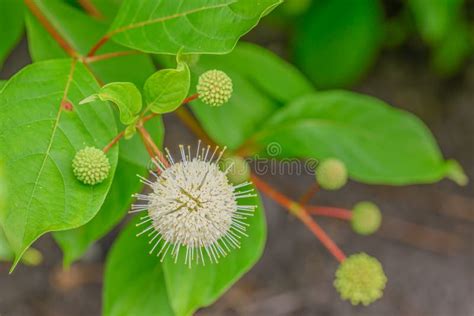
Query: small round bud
x=331 y=174
x=366 y=218
x=214 y=87
x=32 y=257
x=360 y=279
x=237 y=168
x=90 y=165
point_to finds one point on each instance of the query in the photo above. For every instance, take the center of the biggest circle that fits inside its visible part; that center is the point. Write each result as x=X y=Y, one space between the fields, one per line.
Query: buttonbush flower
x=331 y=174
x=366 y=218
x=90 y=165
x=193 y=206
x=214 y=87
x=360 y=279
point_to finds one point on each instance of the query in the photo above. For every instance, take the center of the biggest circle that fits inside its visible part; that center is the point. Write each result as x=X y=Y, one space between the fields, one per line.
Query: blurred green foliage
x=335 y=42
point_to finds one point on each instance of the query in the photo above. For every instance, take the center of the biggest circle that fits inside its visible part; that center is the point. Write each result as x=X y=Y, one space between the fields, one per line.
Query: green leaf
x=82 y=31
x=200 y=286
x=38 y=146
x=198 y=26
x=133 y=161
x=134 y=287
x=6 y=254
x=337 y=41
x=125 y=95
x=166 y=89
x=2 y=84
x=435 y=18
x=450 y=54
x=186 y=289
x=11 y=26
x=261 y=82
x=378 y=143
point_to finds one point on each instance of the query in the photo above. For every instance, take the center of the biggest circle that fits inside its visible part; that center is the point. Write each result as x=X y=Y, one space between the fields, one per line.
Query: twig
x=330 y=211
x=93 y=59
x=90 y=9
x=155 y=150
x=113 y=142
x=302 y=214
x=313 y=189
x=35 y=10
x=104 y=39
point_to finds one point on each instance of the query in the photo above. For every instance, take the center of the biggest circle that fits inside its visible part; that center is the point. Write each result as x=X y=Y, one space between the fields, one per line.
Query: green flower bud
x=331 y=174
x=360 y=279
x=214 y=87
x=32 y=257
x=238 y=169
x=90 y=165
x=366 y=218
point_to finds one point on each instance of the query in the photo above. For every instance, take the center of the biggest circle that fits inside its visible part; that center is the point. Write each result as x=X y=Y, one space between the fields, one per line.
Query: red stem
x=301 y=213
x=90 y=8
x=313 y=189
x=100 y=43
x=329 y=211
x=156 y=151
x=114 y=141
x=94 y=59
x=35 y=10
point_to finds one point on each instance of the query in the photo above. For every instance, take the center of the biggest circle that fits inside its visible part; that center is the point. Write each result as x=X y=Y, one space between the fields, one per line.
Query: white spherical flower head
x=192 y=205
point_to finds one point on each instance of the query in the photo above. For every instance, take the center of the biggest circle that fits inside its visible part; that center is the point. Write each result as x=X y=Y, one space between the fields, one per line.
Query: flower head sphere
x=193 y=206
x=90 y=165
x=360 y=279
x=331 y=174
x=366 y=218
x=214 y=87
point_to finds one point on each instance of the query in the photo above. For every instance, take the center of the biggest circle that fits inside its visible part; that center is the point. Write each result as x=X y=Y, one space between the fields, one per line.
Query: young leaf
x=134 y=287
x=337 y=41
x=191 y=289
x=166 y=89
x=378 y=143
x=38 y=146
x=11 y=26
x=198 y=26
x=82 y=31
x=160 y=287
x=125 y=95
x=133 y=160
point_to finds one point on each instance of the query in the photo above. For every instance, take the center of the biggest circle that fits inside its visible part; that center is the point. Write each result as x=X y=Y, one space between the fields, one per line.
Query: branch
x=306 y=197
x=113 y=142
x=36 y=11
x=93 y=59
x=330 y=211
x=302 y=214
x=156 y=151
x=90 y=9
